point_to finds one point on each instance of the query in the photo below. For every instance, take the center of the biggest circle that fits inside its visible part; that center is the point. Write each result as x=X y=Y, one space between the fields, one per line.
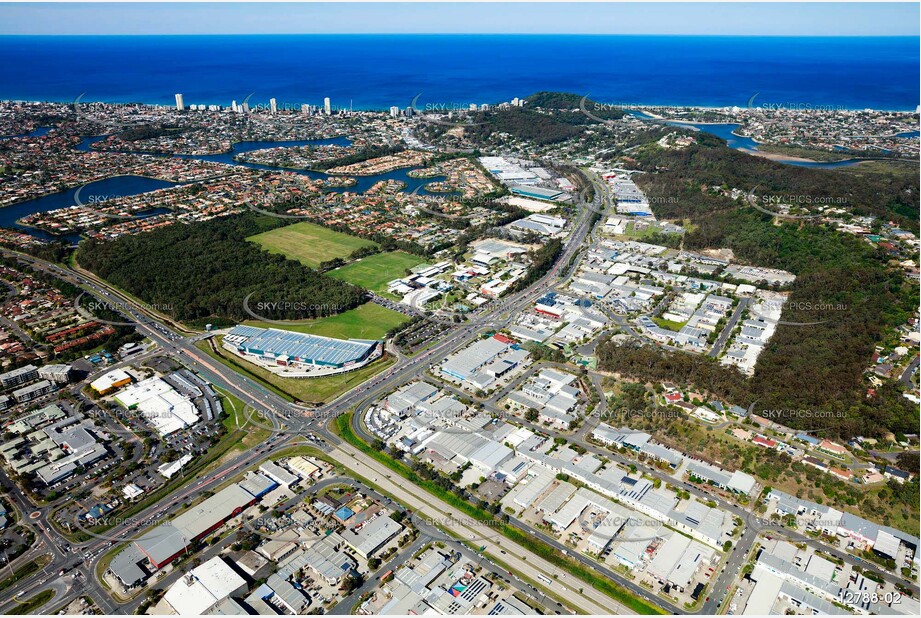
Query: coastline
x=779 y=158
x=384 y=108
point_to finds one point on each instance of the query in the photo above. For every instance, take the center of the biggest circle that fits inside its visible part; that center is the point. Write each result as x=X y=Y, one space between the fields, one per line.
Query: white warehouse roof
x=203 y=587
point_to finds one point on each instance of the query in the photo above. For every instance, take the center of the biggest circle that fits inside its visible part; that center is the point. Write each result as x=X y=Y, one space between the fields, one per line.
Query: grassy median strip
x=26 y=570
x=238 y=420
x=548 y=553
x=33 y=604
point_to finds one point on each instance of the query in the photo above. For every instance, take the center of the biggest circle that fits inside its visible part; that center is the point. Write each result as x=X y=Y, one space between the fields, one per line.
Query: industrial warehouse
x=298 y=354
x=160 y=405
x=168 y=540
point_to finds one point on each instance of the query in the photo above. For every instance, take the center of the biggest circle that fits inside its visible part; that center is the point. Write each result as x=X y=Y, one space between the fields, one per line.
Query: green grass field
x=238 y=417
x=369 y=321
x=669 y=324
x=308 y=243
x=375 y=271
x=633 y=233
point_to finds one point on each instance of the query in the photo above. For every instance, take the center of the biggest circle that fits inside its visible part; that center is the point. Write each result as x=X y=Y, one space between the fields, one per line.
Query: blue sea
x=378 y=71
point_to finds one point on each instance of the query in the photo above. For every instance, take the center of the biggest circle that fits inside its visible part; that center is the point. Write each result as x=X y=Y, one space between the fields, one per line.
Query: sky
x=771 y=19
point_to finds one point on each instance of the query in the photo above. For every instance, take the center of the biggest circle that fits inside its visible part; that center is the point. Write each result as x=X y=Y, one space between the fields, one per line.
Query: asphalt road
x=730 y=325
x=298 y=418
x=424 y=504
x=304 y=419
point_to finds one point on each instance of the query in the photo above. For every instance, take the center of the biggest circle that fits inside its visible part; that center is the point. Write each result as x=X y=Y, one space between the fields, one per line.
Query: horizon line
x=385 y=107
x=580 y=34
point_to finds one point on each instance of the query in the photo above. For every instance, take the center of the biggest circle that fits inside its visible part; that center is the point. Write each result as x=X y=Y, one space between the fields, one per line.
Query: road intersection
x=294 y=424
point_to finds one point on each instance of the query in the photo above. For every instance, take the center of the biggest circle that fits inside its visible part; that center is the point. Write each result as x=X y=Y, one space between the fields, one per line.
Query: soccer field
x=308 y=243
x=375 y=271
x=369 y=321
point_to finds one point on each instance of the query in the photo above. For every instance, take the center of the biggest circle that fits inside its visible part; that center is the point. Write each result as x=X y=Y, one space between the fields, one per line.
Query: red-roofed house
x=831 y=448
x=844 y=475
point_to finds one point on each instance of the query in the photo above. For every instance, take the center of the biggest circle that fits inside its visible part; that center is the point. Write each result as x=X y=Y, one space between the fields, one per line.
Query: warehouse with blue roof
x=286 y=348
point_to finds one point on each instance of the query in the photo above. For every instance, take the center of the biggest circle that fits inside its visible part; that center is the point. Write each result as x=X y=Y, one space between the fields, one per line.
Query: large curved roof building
x=286 y=347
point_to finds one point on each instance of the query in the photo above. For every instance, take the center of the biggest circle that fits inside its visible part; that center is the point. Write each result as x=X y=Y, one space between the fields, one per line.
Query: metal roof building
x=467 y=361
x=258 y=484
x=765 y=592
x=293 y=599
x=202 y=518
x=538 y=192
x=886 y=544
x=737 y=481
x=227 y=607
x=108 y=381
x=847 y=523
x=325 y=558
x=701 y=522
x=741 y=483
x=166 y=541
x=372 y=535
x=284 y=345
x=160 y=404
x=409 y=396
x=668 y=556
x=125 y=565
x=490 y=456
x=532 y=488
x=456 y=445
x=29 y=422
x=631 y=550
x=203 y=587
x=560 y=494
x=278 y=474
x=162 y=544
x=76 y=446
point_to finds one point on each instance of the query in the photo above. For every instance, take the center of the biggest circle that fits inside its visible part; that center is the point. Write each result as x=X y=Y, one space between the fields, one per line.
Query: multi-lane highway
x=293 y=423
x=295 y=418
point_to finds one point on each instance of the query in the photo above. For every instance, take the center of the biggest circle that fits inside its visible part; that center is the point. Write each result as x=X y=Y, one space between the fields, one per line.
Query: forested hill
x=559 y=118
x=204 y=270
x=892 y=194
x=568 y=101
x=811 y=377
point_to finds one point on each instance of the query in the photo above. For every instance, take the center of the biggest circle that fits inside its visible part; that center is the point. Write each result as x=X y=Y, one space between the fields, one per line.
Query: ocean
x=452 y=71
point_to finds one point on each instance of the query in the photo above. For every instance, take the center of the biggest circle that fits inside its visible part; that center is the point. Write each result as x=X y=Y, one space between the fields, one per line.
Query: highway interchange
x=297 y=419
x=302 y=425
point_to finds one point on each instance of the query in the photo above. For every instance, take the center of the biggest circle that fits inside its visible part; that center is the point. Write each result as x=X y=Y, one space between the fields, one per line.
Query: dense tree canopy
x=811 y=377
x=685 y=174
x=205 y=270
